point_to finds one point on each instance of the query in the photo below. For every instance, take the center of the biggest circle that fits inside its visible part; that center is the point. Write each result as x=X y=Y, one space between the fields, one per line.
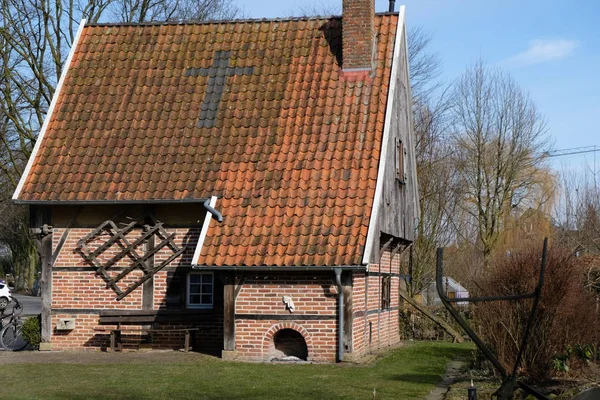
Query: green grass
x=406 y=373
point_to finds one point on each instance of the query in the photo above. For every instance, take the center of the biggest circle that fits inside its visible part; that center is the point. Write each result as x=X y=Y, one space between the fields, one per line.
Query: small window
x=400 y=153
x=386 y=291
x=200 y=290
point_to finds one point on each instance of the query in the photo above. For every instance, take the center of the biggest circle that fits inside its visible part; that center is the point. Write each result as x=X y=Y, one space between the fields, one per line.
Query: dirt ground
x=96 y=357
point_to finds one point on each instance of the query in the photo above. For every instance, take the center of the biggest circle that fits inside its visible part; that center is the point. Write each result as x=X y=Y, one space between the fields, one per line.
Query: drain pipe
x=207 y=205
x=338 y=282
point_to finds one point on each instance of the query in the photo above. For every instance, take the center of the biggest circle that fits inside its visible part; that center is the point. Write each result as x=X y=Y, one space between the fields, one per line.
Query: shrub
x=565 y=317
x=415 y=325
x=32 y=330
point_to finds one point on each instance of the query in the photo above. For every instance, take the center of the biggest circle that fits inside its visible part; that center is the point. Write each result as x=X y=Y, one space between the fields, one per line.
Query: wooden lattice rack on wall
x=129 y=249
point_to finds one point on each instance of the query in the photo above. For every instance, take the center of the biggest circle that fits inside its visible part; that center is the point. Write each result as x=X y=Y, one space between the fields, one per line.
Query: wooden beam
x=42 y=215
x=148 y=287
x=229 y=311
x=240 y=285
x=149 y=275
x=65 y=235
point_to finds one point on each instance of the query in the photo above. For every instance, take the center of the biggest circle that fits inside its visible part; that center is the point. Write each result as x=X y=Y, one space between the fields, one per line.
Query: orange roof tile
x=253 y=112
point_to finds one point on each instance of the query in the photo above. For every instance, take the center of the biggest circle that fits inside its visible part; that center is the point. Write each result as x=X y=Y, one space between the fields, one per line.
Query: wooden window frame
x=386 y=292
x=400 y=161
x=188 y=294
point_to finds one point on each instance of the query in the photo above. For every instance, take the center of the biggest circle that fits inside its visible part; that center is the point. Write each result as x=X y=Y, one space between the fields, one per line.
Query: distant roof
x=253 y=112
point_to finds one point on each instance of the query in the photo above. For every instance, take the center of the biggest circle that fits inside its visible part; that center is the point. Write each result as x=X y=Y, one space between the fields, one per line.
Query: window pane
x=207 y=278
x=206 y=299
x=195 y=278
x=195 y=289
x=195 y=299
x=207 y=289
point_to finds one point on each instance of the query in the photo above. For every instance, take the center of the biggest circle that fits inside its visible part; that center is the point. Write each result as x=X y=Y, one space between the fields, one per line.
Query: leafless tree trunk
x=500 y=145
x=439 y=192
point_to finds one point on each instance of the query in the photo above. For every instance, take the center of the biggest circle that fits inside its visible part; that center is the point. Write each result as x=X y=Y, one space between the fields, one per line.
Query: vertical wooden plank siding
x=40 y=215
x=229 y=311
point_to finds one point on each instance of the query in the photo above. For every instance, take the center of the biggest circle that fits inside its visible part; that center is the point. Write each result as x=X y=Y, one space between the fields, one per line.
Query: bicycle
x=11 y=334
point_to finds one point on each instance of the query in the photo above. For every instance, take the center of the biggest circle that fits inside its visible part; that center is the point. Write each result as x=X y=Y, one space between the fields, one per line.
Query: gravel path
x=452 y=373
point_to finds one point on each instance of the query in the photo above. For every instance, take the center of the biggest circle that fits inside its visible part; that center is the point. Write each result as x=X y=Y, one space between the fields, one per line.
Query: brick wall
x=79 y=293
x=260 y=311
x=374 y=327
x=260 y=297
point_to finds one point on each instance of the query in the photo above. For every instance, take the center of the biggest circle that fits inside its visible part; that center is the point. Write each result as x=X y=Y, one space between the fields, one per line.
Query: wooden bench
x=132 y=321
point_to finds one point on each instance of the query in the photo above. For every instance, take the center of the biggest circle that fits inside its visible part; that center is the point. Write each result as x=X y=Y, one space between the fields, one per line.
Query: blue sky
x=552 y=48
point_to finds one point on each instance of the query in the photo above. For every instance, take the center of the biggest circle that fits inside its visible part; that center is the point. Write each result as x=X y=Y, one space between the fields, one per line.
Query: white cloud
x=541 y=51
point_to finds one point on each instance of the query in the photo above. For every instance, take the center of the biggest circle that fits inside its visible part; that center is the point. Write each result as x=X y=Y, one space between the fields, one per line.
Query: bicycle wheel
x=11 y=337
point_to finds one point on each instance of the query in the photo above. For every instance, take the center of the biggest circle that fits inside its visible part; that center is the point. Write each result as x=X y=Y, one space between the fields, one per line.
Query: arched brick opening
x=285 y=340
x=288 y=343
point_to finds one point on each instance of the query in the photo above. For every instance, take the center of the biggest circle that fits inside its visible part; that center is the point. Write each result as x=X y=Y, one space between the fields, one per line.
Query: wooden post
x=40 y=216
x=186 y=344
x=229 y=311
x=348 y=310
x=148 y=286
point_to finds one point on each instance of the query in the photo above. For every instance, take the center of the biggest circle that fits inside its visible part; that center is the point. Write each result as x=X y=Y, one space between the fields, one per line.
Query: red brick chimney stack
x=358 y=30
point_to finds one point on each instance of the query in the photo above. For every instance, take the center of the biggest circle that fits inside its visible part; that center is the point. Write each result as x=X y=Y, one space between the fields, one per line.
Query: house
x=450 y=286
x=253 y=180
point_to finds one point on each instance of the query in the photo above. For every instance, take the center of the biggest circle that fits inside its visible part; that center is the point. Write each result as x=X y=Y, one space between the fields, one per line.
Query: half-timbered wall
x=80 y=294
x=259 y=309
x=376 y=327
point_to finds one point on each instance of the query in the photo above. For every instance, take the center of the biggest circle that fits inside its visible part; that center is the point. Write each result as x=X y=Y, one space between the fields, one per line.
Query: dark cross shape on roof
x=217 y=73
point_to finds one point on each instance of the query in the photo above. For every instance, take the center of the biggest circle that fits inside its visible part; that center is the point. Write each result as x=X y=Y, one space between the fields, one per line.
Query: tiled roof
x=254 y=112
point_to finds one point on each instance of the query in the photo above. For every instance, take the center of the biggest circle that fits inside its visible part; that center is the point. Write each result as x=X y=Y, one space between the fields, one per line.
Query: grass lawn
x=409 y=372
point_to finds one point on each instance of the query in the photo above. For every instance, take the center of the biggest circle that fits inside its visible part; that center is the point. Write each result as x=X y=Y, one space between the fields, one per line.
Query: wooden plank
x=348 y=310
x=229 y=311
x=119 y=235
x=132 y=320
x=286 y=317
x=141 y=261
x=145 y=278
x=117 y=312
x=186 y=344
x=127 y=251
x=148 y=288
x=65 y=234
x=238 y=289
x=41 y=215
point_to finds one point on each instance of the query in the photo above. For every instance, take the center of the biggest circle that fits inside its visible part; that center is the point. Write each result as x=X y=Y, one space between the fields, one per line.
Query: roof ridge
x=226 y=21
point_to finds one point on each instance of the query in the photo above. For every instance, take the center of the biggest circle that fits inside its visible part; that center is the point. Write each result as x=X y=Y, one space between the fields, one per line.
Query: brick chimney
x=358 y=34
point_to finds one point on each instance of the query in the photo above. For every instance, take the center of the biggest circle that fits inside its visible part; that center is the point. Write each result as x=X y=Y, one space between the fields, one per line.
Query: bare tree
x=437 y=191
x=425 y=67
x=500 y=146
x=163 y=10
x=35 y=38
x=578 y=215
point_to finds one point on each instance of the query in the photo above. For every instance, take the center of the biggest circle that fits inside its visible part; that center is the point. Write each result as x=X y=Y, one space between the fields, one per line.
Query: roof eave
x=107 y=202
x=373 y=226
x=263 y=268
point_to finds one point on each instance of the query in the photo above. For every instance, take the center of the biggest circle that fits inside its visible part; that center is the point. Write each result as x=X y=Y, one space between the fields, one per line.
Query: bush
x=565 y=317
x=32 y=330
x=415 y=325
